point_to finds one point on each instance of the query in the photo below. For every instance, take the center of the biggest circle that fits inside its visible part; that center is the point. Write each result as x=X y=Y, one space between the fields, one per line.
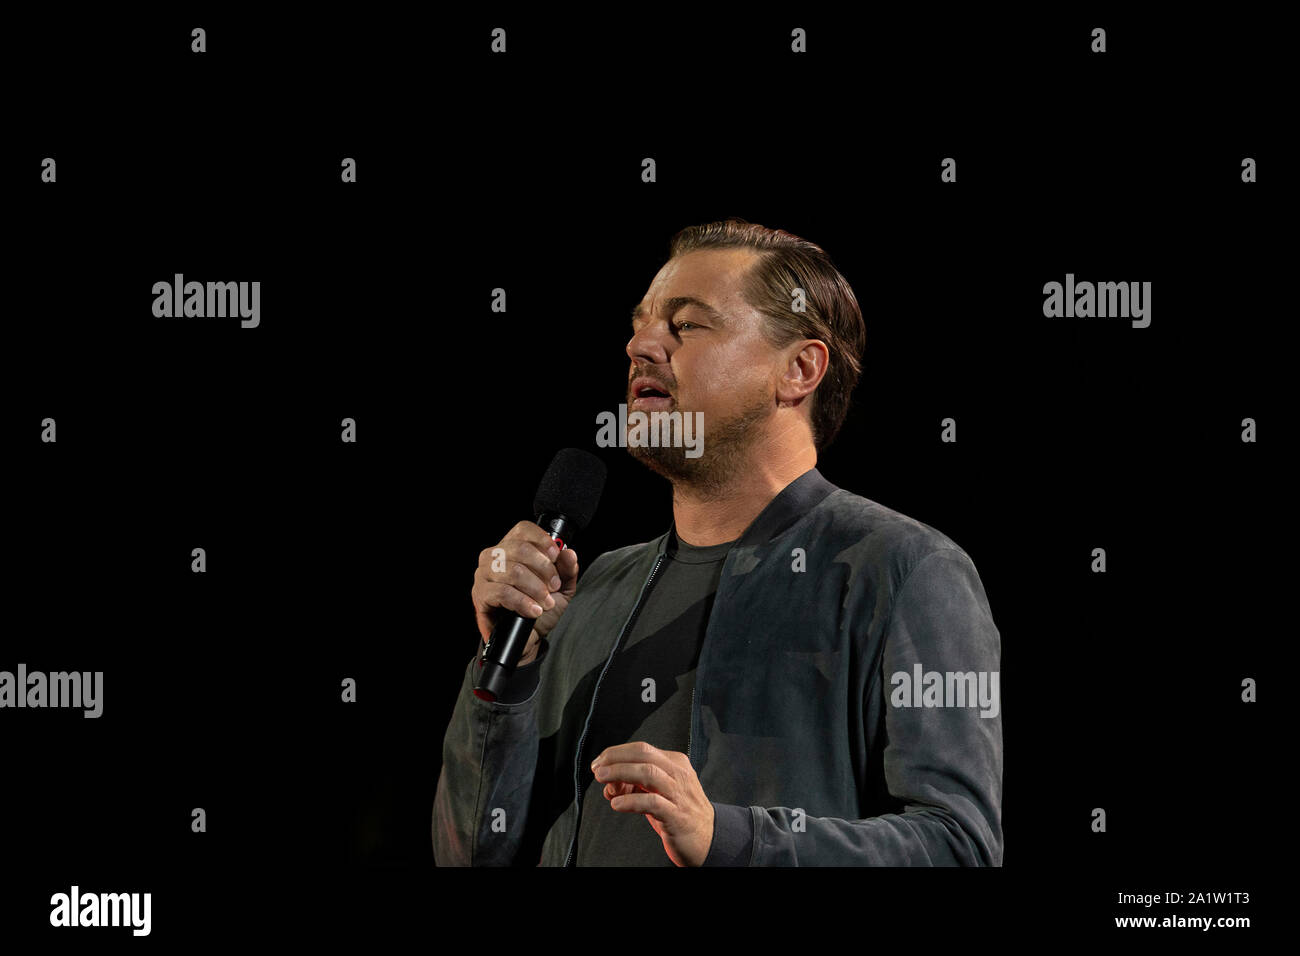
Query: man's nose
x=647 y=345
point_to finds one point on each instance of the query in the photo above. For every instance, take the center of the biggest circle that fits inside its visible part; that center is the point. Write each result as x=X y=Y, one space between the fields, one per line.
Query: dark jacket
x=798 y=733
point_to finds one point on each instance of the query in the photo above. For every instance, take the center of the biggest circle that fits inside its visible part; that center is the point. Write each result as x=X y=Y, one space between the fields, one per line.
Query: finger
x=647 y=775
x=512 y=599
x=566 y=566
x=654 y=803
x=539 y=559
x=523 y=566
x=617 y=789
x=532 y=533
x=635 y=751
x=528 y=543
x=526 y=580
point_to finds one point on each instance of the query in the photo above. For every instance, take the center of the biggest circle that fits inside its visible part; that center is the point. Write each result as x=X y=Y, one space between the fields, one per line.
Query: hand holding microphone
x=523 y=585
x=536 y=581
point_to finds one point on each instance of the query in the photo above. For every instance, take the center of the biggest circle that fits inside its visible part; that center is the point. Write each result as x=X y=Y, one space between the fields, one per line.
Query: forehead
x=713 y=275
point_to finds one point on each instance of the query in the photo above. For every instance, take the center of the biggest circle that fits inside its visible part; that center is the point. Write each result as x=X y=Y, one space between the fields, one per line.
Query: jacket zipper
x=690 y=720
x=577 y=760
x=690 y=715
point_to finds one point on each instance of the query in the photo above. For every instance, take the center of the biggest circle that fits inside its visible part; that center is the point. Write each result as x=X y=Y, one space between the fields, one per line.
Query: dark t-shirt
x=663 y=646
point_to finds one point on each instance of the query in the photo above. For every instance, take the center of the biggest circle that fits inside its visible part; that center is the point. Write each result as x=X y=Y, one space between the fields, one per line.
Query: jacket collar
x=792 y=503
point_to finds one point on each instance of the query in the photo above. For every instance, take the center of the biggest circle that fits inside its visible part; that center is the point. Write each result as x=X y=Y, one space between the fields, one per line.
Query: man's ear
x=805 y=366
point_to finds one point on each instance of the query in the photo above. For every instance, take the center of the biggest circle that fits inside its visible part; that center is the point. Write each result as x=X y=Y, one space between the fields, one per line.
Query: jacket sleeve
x=489 y=758
x=943 y=764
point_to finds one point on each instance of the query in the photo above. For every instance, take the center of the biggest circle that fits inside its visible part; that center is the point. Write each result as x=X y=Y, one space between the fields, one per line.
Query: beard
x=725 y=447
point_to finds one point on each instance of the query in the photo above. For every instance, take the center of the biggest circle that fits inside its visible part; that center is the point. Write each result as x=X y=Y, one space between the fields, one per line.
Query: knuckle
x=519 y=576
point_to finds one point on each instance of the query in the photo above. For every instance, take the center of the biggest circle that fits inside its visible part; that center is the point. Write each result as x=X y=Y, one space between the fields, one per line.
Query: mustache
x=643 y=373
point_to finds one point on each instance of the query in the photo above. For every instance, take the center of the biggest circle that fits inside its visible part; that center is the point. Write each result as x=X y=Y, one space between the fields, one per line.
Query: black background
x=522 y=171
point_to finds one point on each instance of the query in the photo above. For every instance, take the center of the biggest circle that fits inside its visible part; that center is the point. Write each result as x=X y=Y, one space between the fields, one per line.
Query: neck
x=720 y=516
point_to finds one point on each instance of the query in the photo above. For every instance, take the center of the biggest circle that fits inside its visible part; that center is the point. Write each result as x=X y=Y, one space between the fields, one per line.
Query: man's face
x=717 y=364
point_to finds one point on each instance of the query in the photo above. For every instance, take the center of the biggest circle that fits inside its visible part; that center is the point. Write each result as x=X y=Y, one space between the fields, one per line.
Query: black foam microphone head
x=571 y=486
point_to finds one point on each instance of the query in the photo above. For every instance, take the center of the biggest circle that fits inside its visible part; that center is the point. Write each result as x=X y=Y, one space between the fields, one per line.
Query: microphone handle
x=510 y=636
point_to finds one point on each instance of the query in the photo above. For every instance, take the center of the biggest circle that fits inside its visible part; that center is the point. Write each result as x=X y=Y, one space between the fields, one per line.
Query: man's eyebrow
x=680 y=301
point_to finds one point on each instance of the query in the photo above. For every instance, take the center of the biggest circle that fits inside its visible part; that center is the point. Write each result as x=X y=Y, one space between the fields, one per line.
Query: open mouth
x=646 y=392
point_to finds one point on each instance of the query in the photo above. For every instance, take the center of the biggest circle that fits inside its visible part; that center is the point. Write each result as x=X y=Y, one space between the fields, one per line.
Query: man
x=790 y=675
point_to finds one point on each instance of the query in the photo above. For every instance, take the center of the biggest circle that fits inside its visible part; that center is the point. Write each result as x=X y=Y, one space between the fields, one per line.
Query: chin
x=669 y=462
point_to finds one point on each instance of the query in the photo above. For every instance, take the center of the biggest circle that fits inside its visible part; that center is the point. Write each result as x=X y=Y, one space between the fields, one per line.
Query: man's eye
x=681 y=325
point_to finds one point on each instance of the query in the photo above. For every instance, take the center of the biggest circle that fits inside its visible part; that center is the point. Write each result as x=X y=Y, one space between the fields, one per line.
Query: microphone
x=565 y=502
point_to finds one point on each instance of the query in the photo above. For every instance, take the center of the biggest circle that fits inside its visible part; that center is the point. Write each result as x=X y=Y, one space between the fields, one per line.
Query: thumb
x=484 y=622
x=566 y=566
